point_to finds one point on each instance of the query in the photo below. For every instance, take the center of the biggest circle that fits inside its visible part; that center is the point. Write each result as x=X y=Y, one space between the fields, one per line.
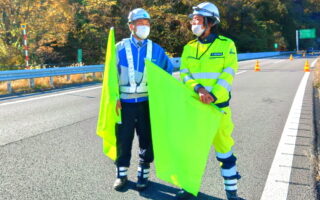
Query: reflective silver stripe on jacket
x=133 y=88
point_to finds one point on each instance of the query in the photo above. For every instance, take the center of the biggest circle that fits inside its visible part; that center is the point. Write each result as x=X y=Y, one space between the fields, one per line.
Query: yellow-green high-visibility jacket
x=212 y=66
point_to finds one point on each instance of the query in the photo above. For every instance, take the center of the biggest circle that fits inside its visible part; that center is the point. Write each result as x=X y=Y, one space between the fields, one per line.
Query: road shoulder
x=316 y=118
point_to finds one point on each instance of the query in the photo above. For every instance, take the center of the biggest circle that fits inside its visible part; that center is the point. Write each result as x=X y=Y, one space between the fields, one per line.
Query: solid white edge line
x=277 y=184
x=314 y=63
x=241 y=72
x=48 y=96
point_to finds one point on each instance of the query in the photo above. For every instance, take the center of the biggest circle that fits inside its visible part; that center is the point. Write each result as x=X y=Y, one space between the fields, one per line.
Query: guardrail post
x=31 y=82
x=51 y=81
x=68 y=77
x=93 y=75
x=84 y=76
x=9 y=88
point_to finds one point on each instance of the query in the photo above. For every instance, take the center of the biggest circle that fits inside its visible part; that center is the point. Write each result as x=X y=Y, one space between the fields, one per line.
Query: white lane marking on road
x=48 y=96
x=277 y=184
x=314 y=63
x=278 y=61
x=245 y=61
x=241 y=72
x=261 y=59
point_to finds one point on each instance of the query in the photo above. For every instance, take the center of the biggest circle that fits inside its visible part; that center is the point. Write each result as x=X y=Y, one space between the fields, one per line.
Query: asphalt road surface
x=49 y=148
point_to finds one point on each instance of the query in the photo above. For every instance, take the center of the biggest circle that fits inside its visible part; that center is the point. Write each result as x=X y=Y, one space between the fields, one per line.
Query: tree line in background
x=57 y=28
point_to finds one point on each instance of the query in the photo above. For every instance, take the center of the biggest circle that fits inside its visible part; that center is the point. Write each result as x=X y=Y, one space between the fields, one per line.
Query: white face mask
x=197 y=30
x=143 y=32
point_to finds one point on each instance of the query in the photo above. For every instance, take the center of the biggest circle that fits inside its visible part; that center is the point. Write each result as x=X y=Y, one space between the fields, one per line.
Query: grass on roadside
x=41 y=84
x=317 y=74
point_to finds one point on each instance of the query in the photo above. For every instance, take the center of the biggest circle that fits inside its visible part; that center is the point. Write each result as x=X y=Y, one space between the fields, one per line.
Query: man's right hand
x=118 y=107
x=205 y=97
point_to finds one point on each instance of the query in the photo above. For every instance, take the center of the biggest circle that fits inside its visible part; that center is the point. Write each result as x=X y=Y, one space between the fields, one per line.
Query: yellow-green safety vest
x=212 y=65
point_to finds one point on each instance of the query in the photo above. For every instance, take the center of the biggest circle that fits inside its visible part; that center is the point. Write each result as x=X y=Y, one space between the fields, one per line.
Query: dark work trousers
x=135 y=116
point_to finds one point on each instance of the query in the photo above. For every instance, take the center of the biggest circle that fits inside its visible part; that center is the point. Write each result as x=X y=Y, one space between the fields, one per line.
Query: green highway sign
x=307 y=33
x=79 y=55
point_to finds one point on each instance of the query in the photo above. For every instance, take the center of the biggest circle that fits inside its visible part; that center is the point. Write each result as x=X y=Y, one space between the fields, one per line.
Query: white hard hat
x=138 y=13
x=207 y=9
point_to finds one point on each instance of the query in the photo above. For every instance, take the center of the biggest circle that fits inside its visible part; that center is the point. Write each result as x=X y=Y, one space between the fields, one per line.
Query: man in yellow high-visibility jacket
x=208 y=66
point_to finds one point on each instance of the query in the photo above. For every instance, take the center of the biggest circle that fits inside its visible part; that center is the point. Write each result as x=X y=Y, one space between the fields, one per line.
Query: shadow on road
x=157 y=191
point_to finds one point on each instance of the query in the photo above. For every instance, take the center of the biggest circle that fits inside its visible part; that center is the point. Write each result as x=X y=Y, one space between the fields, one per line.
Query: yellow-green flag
x=183 y=129
x=110 y=94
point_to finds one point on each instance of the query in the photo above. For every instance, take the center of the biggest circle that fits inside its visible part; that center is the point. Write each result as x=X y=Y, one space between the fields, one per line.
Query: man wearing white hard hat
x=133 y=102
x=208 y=66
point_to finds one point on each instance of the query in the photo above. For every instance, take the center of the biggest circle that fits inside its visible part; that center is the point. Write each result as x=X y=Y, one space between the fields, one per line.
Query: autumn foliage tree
x=57 y=28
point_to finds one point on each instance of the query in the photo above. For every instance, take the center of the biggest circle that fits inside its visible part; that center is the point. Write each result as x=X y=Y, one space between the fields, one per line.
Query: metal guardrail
x=249 y=56
x=12 y=75
x=50 y=72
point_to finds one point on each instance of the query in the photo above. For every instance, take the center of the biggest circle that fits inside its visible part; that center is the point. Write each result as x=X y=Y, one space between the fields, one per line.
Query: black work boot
x=183 y=195
x=232 y=195
x=143 y=176
x=122 y=178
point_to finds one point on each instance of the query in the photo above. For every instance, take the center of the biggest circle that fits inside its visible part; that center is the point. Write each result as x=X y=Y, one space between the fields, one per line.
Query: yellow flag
x=183 y=129
x=110 y=94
